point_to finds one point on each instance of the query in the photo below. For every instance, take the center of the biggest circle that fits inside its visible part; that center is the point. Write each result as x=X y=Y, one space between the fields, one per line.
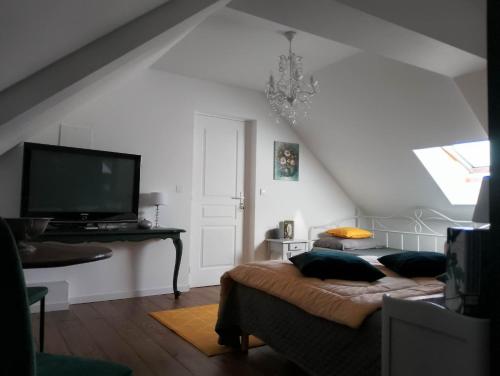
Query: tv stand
x=82 y=235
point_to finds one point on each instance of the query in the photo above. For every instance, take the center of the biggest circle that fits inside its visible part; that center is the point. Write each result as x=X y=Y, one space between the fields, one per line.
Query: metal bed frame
x=421 y=223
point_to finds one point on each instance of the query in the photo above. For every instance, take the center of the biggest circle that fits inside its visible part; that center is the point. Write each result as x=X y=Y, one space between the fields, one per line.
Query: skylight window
x=458 y=169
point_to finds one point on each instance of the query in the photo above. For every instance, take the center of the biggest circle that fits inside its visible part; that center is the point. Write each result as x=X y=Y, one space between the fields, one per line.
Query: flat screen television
x=79 y=185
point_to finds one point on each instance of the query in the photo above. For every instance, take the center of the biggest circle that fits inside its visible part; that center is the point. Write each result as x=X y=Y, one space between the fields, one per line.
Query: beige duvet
x=345 y=302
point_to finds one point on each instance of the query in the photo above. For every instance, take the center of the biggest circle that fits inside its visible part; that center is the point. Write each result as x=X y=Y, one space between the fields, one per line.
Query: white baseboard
x=125 y=294
x=57 y=299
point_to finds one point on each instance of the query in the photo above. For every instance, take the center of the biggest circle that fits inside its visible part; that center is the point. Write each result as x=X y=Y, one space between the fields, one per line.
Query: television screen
x=72 y=184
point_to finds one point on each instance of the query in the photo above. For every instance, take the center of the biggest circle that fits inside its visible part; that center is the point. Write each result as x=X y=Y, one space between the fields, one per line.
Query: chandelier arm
x=312 y=91
x=290 y=66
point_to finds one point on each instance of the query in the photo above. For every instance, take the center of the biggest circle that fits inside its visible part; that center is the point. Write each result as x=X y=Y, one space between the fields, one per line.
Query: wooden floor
x=122 y=331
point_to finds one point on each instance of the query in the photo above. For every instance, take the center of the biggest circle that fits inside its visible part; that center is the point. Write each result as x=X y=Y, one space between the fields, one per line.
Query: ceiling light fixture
x=290 y=95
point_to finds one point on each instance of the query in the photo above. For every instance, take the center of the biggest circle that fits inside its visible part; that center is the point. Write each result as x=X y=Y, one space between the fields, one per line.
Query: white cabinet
x=286 y=248
x=420 y=338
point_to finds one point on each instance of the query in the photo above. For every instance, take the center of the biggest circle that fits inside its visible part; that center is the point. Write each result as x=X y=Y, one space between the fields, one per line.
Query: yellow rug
x=196 y=325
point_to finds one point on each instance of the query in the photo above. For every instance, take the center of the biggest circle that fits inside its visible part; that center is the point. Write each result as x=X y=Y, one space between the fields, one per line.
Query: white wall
x=369 y=116
x=153 y=115
x=474 y=87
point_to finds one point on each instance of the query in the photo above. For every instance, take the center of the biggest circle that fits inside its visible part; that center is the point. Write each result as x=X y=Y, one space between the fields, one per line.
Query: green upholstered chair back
x=18 y=353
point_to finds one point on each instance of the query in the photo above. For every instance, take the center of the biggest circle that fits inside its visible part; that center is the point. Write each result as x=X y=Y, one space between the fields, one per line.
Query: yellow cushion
x=350 y=233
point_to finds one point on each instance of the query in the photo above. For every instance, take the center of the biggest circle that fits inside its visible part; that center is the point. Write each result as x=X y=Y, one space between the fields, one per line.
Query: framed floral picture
x=286 y=161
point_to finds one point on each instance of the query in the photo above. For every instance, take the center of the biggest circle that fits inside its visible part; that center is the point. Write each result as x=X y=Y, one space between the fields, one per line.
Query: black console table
x=116 y=235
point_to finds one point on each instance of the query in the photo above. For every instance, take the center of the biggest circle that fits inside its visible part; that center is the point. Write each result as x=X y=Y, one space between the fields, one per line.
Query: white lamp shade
x=158 y=198
x=482 y=209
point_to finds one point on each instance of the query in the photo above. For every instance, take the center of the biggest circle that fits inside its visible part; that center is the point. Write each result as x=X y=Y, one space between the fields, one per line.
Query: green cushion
x=59 y=365
x=325 y=264
x=18 y=354
x=412 y=264
x=36 y=293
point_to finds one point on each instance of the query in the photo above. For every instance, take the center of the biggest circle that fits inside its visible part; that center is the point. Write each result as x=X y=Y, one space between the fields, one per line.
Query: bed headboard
x=423 y=229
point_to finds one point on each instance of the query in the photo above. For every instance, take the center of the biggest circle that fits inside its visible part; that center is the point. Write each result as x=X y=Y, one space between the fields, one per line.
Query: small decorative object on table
x=26 y=230
x=287 y=229
x=286 y=161
x=145 y=224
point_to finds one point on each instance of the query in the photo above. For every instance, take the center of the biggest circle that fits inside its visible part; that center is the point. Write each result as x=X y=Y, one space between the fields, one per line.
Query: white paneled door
x=218 y=198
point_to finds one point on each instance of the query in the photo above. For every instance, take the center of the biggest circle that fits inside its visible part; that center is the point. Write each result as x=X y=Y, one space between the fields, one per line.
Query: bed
x=318 y=345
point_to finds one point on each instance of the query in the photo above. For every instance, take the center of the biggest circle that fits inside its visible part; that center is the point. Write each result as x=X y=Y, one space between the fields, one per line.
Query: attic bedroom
x=257 y=187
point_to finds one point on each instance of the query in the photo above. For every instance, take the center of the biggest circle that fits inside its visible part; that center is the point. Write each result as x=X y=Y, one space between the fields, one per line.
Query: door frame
x=249 y=180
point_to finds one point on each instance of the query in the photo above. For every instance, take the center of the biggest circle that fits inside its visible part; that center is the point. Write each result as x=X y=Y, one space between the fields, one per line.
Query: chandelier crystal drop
x=290 y=95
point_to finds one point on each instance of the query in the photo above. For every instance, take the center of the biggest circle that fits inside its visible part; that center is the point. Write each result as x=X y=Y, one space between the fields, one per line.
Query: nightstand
x=287 y=248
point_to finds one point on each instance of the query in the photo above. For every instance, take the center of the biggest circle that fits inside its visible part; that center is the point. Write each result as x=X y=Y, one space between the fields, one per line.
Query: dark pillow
x=327 y=263
x=415 y=264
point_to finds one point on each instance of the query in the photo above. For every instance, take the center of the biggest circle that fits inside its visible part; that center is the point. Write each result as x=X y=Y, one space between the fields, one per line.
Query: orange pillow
x=350 y=233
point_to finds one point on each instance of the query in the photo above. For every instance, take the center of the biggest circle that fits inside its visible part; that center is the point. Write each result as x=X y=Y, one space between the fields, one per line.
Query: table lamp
x=482 y=210
x=158 y=199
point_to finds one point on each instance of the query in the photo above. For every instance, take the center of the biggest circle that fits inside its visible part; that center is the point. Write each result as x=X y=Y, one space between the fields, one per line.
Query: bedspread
x=345 y=302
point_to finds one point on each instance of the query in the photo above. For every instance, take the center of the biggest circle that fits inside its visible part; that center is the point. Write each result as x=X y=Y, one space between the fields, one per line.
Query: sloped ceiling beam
x=46 y=96
x=459 y=23
x=344 y=24
x=473 y=87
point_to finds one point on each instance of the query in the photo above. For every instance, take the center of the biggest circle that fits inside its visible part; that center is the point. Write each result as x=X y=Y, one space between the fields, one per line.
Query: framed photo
x=286 y=161
x=287 y=229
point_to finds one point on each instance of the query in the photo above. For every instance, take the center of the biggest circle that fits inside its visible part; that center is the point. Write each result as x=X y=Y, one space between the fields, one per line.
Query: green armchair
x=18 y=357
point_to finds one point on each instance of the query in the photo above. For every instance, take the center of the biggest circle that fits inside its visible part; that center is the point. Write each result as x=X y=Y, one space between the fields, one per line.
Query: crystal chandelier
x=290 y=95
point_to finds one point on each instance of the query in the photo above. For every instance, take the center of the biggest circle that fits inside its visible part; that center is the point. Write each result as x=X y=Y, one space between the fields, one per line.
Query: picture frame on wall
x=286 y=161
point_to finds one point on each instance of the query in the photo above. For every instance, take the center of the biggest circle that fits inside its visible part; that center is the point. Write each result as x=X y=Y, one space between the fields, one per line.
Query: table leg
x=178 y=257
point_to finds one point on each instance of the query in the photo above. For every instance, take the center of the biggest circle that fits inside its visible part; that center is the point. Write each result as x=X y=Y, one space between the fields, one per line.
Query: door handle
x=241 y=197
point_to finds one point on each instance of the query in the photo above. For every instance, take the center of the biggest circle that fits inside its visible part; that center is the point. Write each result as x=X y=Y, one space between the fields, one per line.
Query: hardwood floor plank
x=122 y=331
x=213 y=292
x=59 y=316
x=35 y=326
x=227 y=363
x=109 y=340
x=267 y=361
x=159 y=360
x=192 y=359
x=79 y=341
x=236 y=364
x=54 y=341
x=204 y=296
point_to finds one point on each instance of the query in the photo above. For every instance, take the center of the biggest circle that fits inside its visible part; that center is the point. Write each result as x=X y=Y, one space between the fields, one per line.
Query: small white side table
x=287 y=248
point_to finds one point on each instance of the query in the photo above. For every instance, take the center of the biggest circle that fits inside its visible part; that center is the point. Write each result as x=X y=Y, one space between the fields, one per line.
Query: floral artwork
x=286 y=161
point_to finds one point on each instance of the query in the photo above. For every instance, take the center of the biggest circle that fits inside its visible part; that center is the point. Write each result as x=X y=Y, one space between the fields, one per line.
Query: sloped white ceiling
x=371 y=33
x=459 y=23
x=47 y=95
x=34 y=33
x=239 y=49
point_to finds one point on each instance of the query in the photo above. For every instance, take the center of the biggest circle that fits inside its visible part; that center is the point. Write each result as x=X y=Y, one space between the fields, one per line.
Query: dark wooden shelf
x=116 y=235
